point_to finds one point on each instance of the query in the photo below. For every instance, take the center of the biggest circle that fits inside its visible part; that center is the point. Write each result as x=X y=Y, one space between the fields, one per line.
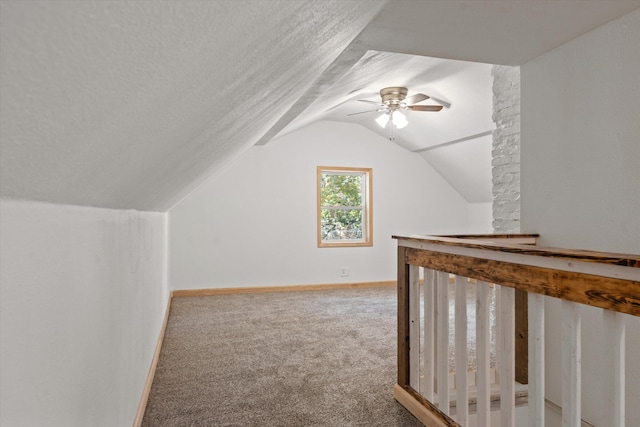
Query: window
x=344 y=207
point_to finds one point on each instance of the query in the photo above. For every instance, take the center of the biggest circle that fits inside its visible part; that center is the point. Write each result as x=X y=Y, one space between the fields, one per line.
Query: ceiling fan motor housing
x=393 y=95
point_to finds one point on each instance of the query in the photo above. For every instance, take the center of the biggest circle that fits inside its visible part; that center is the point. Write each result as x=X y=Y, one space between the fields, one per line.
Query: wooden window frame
x=367 y=208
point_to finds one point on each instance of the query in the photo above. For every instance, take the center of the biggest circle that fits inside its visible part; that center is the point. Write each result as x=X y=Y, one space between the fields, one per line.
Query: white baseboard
x=137 y=422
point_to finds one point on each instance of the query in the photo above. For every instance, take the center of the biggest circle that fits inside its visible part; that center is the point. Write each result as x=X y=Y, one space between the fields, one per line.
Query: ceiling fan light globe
x=399 y=120
x=383 y=120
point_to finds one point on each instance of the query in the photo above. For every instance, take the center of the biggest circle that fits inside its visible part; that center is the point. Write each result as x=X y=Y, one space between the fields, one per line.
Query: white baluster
x=428 y=380
x=414 y=327
x=483 y=306
x=571 y=364
x=507 y=352
x=536 y=360
x=614 y=370
x=497 y=339
x=462 y=393
x=443 y=341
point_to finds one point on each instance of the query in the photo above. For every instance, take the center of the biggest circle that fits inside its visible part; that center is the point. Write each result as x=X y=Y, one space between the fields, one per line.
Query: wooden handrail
x=605 y=280
x=490 y=242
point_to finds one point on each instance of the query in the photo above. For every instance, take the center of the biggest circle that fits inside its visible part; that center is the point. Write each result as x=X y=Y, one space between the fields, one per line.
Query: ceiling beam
x=455 y=141
x=343 y=63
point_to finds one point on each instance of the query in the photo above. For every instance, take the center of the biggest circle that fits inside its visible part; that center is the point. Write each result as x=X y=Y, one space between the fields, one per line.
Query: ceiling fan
x=394 y=100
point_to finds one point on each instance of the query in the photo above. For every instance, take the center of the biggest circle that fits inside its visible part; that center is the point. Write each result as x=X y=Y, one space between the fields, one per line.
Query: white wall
x=479 y=219
x=84 y=292
x=581 y=177
x=466 y=165
x=254 y=224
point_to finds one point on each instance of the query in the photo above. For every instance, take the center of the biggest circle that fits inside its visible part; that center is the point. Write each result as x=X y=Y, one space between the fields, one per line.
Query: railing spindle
x=483 y=305
x=536 y=360
x=498 y=334
x=428 y=380
x=414 y=327
x=614 y=327
x=571 y=364
x=507 y=351
x=462 y=393
x=443 y=342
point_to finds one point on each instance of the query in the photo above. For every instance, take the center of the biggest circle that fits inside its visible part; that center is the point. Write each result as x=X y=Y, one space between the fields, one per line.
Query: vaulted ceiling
x=131 y=104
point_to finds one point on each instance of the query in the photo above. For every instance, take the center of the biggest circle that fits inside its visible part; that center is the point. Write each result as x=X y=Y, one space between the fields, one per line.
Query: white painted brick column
x=505 y=162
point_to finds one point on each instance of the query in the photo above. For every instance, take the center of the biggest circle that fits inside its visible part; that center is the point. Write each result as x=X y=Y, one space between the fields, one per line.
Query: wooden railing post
x=403 y=319
x=522 y=336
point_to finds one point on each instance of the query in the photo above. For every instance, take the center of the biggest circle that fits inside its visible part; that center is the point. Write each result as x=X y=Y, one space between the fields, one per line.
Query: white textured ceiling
x=506 y=32
x=132 y=104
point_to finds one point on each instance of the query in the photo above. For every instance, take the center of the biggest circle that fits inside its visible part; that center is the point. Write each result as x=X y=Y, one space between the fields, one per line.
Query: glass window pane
x=341 y=224
x=340 y=189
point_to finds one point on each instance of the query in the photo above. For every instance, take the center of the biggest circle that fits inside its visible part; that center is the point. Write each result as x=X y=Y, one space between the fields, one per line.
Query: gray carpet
x=314 y=358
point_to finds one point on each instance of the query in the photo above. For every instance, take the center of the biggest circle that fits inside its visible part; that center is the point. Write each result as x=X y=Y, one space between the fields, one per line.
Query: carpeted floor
x=314 y=358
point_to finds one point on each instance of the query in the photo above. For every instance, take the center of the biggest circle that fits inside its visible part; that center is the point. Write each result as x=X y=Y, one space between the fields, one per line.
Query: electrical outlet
x=344 y=272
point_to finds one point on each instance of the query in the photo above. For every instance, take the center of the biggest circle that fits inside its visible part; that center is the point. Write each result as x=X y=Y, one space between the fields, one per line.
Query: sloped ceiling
x=128 y=104
x=464 y=87
x=131 y=104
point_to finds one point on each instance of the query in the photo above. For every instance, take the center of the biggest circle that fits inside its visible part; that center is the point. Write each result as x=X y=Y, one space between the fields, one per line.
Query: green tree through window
x=344 y=211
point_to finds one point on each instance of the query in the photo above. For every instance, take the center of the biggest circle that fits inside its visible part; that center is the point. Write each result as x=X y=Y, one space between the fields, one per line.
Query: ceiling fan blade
x=371 y=102
x=369 y=111
x=415 y=98
x=446 y=104
x=424 y=107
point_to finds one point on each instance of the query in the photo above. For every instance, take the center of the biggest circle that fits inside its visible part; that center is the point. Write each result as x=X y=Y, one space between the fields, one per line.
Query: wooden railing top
x=605 y=280
x=501 y=243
